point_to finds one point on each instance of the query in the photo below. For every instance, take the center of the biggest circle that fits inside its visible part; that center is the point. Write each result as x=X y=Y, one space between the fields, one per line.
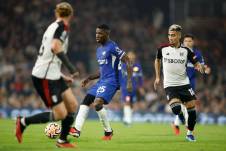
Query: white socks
x=103 y=119
x=127 y=114
x=189 y=132
x=177 y=121
x=81 y=116
x=23 y=121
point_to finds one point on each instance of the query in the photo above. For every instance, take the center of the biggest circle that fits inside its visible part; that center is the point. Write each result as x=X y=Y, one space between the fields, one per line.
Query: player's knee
x=98 y=107
x=176 y=108
x=60 y=114
x=98 y=103
x=88 y=100
x=190 y=104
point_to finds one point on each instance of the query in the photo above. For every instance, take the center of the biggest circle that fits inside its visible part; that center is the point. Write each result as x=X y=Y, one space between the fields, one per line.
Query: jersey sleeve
x=116 y=51
x=192 y=57
x=159 y=53
x=60 y=32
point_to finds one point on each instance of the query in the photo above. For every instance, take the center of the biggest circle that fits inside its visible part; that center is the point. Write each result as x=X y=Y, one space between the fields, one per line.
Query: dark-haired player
x=174 y=58
x=188 y=41
x=48 y=80
x=108 y=56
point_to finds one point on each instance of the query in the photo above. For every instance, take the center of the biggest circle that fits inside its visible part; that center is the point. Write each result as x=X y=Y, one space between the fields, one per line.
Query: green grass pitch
x=138 y=137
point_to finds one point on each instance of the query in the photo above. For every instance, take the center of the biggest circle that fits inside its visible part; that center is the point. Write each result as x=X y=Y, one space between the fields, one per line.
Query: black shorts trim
x=185 y=93
x=50 y=90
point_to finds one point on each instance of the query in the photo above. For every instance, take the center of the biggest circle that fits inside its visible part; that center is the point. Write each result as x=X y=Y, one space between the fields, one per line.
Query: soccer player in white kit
x=48 y=80
x=174 y=58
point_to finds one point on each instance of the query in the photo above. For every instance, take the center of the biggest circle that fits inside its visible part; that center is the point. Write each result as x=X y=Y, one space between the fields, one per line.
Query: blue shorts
x=128 y=97
x=103 y=90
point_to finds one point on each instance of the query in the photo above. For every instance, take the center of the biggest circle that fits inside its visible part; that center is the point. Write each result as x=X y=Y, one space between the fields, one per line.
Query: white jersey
x=48 y=65
x=174 y=61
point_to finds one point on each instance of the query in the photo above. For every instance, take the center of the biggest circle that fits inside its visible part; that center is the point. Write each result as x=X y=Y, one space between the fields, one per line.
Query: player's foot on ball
x=176 y=129
x=190 y=138
x=74 y=132
x=64 y=144
x=19 y=129
x=107 y=136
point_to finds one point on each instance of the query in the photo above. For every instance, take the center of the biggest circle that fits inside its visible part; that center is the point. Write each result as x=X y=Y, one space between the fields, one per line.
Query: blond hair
x=64 y=9
x=175 y=27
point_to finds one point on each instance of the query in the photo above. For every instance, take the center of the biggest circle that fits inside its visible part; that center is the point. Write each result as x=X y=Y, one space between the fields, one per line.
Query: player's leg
x=71 y=106
x=127 y=110
x=179 y=119
x=59 y=111
x=102 y=113
x=82 y=115
x=191 y=120
x=175 y=105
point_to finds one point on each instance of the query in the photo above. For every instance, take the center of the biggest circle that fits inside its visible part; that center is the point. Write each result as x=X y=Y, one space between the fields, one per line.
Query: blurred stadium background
x=136 y=25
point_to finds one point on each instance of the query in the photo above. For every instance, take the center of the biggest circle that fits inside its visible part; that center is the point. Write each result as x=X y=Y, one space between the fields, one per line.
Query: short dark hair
x=189 y=36
x=104 y=27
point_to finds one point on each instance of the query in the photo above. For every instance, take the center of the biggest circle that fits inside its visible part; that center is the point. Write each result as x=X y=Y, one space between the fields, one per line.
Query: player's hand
x=85 y=82
x=75 y=75
x=129 y=86
x=207 y=69
x=156 y=83
x=68 y=79
x=200 y=68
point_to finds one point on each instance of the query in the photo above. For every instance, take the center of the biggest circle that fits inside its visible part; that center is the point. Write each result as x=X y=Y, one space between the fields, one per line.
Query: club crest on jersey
x=181 y=54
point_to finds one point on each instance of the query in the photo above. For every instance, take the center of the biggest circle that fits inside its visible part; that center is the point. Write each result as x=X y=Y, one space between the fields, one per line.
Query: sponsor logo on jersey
x=102 y=61
x=180 y=61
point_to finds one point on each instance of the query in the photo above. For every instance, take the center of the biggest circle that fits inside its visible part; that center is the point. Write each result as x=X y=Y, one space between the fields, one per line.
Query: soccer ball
x=52 y=130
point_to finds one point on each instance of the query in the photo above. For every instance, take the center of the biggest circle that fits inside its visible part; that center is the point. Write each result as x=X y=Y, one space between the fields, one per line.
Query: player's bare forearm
x=199 y=67
x=157 y=68
x=129 y=66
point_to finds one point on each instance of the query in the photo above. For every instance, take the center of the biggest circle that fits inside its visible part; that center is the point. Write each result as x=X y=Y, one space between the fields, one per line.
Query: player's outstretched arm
x=57 y=49
x=157 y=73
x=90 y=78
x=129 y=66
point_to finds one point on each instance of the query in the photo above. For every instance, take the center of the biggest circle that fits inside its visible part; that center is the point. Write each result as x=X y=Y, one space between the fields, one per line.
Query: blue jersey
x=137 y=80
x=191 y=72
x=108 y=57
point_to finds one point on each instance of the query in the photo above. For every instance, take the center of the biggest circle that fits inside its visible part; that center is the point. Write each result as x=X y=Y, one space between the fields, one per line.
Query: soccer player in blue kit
x=108 y=56
x=188 y=41
x=129 y=98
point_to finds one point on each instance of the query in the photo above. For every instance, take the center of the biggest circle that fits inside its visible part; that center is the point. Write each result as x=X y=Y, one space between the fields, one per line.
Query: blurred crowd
x=136 y=25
